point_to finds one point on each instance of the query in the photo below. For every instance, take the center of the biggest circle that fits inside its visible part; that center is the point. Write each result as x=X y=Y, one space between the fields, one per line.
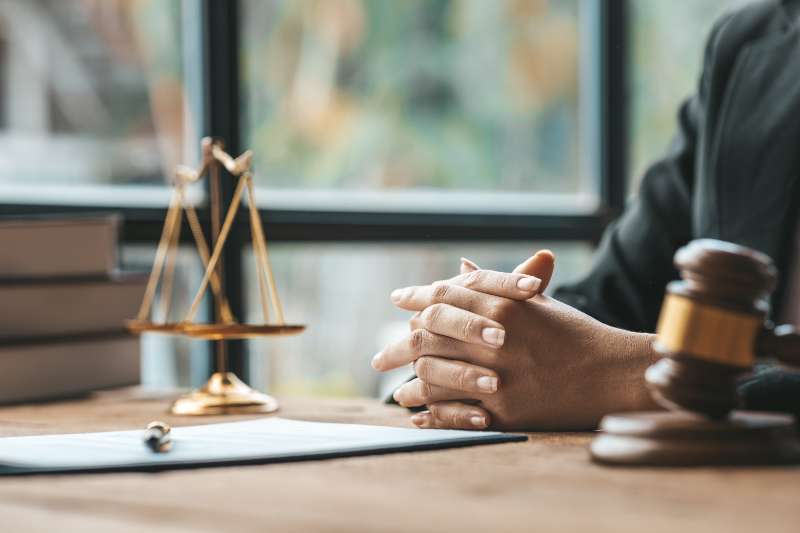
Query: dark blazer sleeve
x=633 y=263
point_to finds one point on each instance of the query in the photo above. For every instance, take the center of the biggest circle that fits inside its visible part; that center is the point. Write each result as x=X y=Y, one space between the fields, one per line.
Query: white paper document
x=250 y=442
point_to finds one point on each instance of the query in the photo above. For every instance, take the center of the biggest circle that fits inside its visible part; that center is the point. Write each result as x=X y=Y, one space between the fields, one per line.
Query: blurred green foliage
x=382 y=94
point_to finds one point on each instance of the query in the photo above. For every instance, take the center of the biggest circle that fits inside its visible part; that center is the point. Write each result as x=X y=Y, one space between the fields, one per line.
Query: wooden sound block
x=684 y=439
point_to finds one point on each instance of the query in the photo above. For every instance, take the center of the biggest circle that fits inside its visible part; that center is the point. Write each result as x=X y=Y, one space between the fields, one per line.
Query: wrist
x=619 y=368
x=635 y=354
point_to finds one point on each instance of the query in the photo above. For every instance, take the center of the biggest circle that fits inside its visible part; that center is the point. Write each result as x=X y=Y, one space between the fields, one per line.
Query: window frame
x=211 y=48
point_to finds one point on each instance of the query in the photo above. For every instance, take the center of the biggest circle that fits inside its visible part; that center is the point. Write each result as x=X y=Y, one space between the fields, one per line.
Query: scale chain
x=158 y=262
x=262 y=282
x=220 y=244
x=172 y=252
x=260 y=246
x=202 y=248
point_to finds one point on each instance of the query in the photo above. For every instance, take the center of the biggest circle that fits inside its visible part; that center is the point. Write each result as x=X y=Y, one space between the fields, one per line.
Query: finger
x=416 y=393
x=487 y=282
x=460 y=324
x=424 y=296
x=468 y=266
x=514 y=285
x=456 y=375
x=422 y=342
x=541 y=264
x=411 y=321
x=452 y=415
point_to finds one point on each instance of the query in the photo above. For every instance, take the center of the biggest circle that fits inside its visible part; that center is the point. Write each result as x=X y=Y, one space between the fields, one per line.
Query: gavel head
x=709 y=324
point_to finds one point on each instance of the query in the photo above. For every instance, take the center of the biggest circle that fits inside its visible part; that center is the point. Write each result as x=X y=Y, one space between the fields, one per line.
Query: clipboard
x=259 y=441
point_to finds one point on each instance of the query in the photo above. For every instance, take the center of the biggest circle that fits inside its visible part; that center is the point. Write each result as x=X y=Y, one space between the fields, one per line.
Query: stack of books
x=63 y=304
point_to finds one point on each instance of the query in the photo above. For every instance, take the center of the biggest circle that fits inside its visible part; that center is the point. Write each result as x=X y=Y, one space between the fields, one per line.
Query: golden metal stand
x=224 y=393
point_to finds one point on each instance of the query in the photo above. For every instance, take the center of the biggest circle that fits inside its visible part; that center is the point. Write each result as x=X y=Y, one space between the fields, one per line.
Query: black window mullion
x=220 y=24
x=325 y=226
x=614 y=88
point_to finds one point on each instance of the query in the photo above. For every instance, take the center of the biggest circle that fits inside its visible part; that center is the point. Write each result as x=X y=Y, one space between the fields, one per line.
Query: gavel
x=713 y=326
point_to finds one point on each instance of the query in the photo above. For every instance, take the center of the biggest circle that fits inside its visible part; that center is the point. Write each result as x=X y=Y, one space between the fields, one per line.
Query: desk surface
x=545 y=484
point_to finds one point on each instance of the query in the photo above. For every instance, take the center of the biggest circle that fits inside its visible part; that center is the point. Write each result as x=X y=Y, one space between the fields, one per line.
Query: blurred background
x=390 y=138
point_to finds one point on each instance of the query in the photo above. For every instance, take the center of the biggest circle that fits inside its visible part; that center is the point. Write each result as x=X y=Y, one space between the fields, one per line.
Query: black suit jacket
x=731 y=172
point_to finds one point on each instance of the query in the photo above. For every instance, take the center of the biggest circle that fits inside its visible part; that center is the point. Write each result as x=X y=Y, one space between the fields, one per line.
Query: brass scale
x=224 y=393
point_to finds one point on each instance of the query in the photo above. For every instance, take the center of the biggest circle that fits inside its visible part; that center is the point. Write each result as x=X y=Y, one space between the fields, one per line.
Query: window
x=666 y=67
x=91 y=95
x=429 y=105
x=391 y=137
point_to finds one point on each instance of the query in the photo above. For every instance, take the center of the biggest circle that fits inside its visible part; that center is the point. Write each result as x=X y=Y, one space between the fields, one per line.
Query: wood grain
x=545 y=484
x=707 y=332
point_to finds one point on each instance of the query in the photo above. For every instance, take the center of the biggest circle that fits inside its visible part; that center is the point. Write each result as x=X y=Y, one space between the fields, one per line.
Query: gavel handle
x=781 y=342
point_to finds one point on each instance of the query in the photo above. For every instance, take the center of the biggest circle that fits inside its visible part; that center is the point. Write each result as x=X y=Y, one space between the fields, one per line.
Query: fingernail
x=529 y=283
x=478 y=421
x=487 y=384
x=421 y=419
x=377 y=361
x=494 y=336
x=396 y=295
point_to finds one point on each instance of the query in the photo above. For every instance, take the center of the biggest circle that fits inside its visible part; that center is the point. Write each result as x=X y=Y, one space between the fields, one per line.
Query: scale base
x=224 y=394
x=684 y=439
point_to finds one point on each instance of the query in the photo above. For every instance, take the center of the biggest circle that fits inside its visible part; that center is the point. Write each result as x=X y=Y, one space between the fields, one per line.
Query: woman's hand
x=487 y=354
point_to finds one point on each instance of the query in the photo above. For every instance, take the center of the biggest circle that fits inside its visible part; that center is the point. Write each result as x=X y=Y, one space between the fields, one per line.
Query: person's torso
x=747 y=164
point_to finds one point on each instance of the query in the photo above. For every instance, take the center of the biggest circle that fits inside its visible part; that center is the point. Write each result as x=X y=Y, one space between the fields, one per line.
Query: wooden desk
x=546 y=484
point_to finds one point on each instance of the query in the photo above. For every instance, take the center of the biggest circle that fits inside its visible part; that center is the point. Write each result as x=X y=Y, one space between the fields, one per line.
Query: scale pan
x=145 y=326
x=238 y=331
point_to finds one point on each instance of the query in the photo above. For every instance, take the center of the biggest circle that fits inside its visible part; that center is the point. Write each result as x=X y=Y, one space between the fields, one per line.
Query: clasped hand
x=490 y=350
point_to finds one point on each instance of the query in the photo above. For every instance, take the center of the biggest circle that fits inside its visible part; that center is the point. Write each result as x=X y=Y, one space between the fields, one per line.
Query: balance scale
x=224 y=393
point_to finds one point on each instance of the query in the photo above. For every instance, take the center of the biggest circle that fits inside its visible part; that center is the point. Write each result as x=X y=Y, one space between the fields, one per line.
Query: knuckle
x=431 y=314
x=422 y=367
x=499 y=311
x=449 y=418
x=473 y=279
x=462 y=380
x=401 y=395
x=440 y=292
x=466 y=379
x=425 y=392
x=417 y=341
x=470 y=328
x=405 y=400
x=504 y=282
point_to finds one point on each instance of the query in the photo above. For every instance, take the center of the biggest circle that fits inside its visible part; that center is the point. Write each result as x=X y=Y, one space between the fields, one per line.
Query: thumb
x=541 y=264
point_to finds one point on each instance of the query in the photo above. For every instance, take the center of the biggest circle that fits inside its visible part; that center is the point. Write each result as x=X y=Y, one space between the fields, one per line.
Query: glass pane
x=369 y=97
x=91 y=93
x=341 y=291
x=668 y=39
x=169 y=361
